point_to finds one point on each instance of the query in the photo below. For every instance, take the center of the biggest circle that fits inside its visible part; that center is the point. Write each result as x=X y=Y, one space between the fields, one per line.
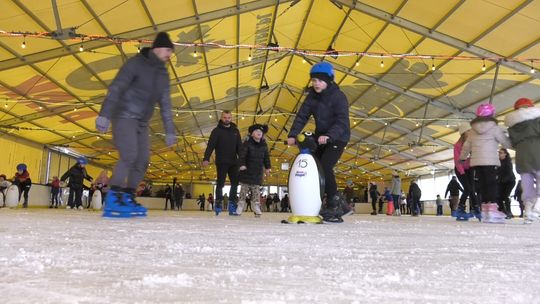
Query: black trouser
x=222 y=171
x=416 y=208
x=439 y=209
x=487 y=183
x=328 y=155
x=54 y=196
x=178 y=202
x=23 y=191
x=167 y=200
x=374 y=202
x=504 y=196
x=467 y=182
x=77 y=194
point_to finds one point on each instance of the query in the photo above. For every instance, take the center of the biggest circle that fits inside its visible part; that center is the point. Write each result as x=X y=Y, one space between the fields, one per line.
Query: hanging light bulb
x=249 y=56
x=432 y=64
x=6 y=105
x=23 y=45
x=195 y=53
x=176 y=114
x=356 y=63
x=417 y=124
x=81 y=48
x=210 y=115
x=382 y=61
x=483 y=65
x=532 y=68
x=303 y=60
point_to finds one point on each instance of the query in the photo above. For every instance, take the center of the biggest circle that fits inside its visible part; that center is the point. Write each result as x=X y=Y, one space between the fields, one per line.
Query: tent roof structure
x=412 y=70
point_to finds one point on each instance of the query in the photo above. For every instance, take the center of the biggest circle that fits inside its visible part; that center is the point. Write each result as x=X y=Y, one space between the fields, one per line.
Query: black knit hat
x=162 y=41
x=263 y=128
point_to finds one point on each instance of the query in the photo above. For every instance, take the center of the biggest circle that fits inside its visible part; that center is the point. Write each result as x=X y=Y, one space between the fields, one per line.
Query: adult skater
x=225 y=139
x=330 y=108
x=465 y=175
x=524 y=129
x=141 y=82
x=76 y=175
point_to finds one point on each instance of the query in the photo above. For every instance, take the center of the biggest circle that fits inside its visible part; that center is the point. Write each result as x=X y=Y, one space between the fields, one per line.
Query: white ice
x=60 y=256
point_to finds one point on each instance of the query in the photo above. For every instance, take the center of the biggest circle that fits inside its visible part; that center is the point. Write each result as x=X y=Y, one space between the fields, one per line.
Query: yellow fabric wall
x=199 y=189
x=15 y=151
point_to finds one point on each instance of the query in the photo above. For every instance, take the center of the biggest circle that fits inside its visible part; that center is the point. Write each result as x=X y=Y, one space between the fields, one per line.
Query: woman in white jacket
x=483 y=145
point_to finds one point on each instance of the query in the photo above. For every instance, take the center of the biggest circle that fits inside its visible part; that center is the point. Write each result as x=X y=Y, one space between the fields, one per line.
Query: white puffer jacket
x=483 y=142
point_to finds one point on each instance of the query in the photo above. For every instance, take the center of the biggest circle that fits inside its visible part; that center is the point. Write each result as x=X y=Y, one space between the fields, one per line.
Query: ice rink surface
x=60 y=256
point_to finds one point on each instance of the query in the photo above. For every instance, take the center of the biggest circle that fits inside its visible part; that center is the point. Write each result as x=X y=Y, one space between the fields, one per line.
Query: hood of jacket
x=521 y=115
x=482 y=125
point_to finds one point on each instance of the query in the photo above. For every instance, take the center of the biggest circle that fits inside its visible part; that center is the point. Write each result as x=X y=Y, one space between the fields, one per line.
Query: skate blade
x=115 y=214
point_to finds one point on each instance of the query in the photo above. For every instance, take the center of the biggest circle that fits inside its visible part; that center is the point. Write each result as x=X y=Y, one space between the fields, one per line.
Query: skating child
x=253 y=157
x=4 y=184
x=23 y=182
x=76 y=175
x=439 y=204
x=55 y=190
x=483 y=146
x=524 y=129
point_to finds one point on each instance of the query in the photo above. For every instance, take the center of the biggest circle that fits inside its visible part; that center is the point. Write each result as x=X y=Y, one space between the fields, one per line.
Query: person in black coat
x=76 y=175
x=330 y=108
x=374 y=194
x=453 y=188
x=415 y=194
x=225 y=139
x=254 y=160
x=507 y=181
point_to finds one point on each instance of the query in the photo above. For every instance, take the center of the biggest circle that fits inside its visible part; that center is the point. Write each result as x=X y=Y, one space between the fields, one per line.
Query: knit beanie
x=162 y=41
x=322 y=71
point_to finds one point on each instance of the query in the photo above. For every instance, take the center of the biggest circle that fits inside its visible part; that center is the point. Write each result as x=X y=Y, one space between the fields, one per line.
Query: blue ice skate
x=136 y=209
x=232 y=208
x=453 y=213
x=461 y=215
x=218 y=208
x=115 y=207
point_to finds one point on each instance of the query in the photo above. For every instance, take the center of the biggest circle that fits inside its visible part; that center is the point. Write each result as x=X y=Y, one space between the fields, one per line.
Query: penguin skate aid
x=306 y=175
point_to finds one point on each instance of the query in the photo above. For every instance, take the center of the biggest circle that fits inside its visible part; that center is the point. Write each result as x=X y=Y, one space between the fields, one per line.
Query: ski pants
x=328 y=155
x=130 y=136
x=75 y=193
x=530 y=182
x=487 y=183
x=467 y=182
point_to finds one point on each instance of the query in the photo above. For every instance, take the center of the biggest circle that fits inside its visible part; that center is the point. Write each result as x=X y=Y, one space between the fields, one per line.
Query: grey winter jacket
x=483 y=142
x=524 y=130
x=330 y=109
x=141 y=82
x=396 y=185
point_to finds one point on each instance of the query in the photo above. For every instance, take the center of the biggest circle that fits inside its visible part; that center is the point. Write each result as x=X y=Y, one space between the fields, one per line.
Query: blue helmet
x=323 y=68
x=21 y=167
x=82 y=160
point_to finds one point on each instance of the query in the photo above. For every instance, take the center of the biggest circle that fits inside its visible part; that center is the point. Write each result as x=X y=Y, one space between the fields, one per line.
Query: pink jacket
x=460 y=166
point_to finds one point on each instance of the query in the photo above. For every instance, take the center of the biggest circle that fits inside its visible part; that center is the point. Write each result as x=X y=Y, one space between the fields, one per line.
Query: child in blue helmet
x=23 y=181
x=330 y=108
x=76 y=175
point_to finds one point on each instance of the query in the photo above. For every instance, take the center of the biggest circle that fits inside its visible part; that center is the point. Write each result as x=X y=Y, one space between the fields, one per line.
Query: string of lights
x=85 y=38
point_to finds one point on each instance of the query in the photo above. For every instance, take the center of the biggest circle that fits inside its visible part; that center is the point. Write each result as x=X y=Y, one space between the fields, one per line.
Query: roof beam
x=438 y=36
x=141 y=33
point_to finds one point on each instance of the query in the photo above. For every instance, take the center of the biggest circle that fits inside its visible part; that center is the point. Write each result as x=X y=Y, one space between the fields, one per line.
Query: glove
x=102 y=124
x=170 y=139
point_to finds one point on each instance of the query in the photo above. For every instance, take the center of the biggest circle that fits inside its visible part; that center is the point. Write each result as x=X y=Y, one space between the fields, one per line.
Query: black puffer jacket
x=506 y=172
x=226 y=141
x=453 y=188
x=254 y=155
x=330 y=109
x=141 y=82
x=76 y=175
x=414 y=191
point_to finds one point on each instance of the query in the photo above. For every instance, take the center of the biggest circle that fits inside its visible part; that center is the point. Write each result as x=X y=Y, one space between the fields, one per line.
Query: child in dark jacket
x=254 y=156
x=23 y=181
x=76 y=174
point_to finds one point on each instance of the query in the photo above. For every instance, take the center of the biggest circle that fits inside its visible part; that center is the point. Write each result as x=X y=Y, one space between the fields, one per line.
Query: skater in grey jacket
x=142 y=82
